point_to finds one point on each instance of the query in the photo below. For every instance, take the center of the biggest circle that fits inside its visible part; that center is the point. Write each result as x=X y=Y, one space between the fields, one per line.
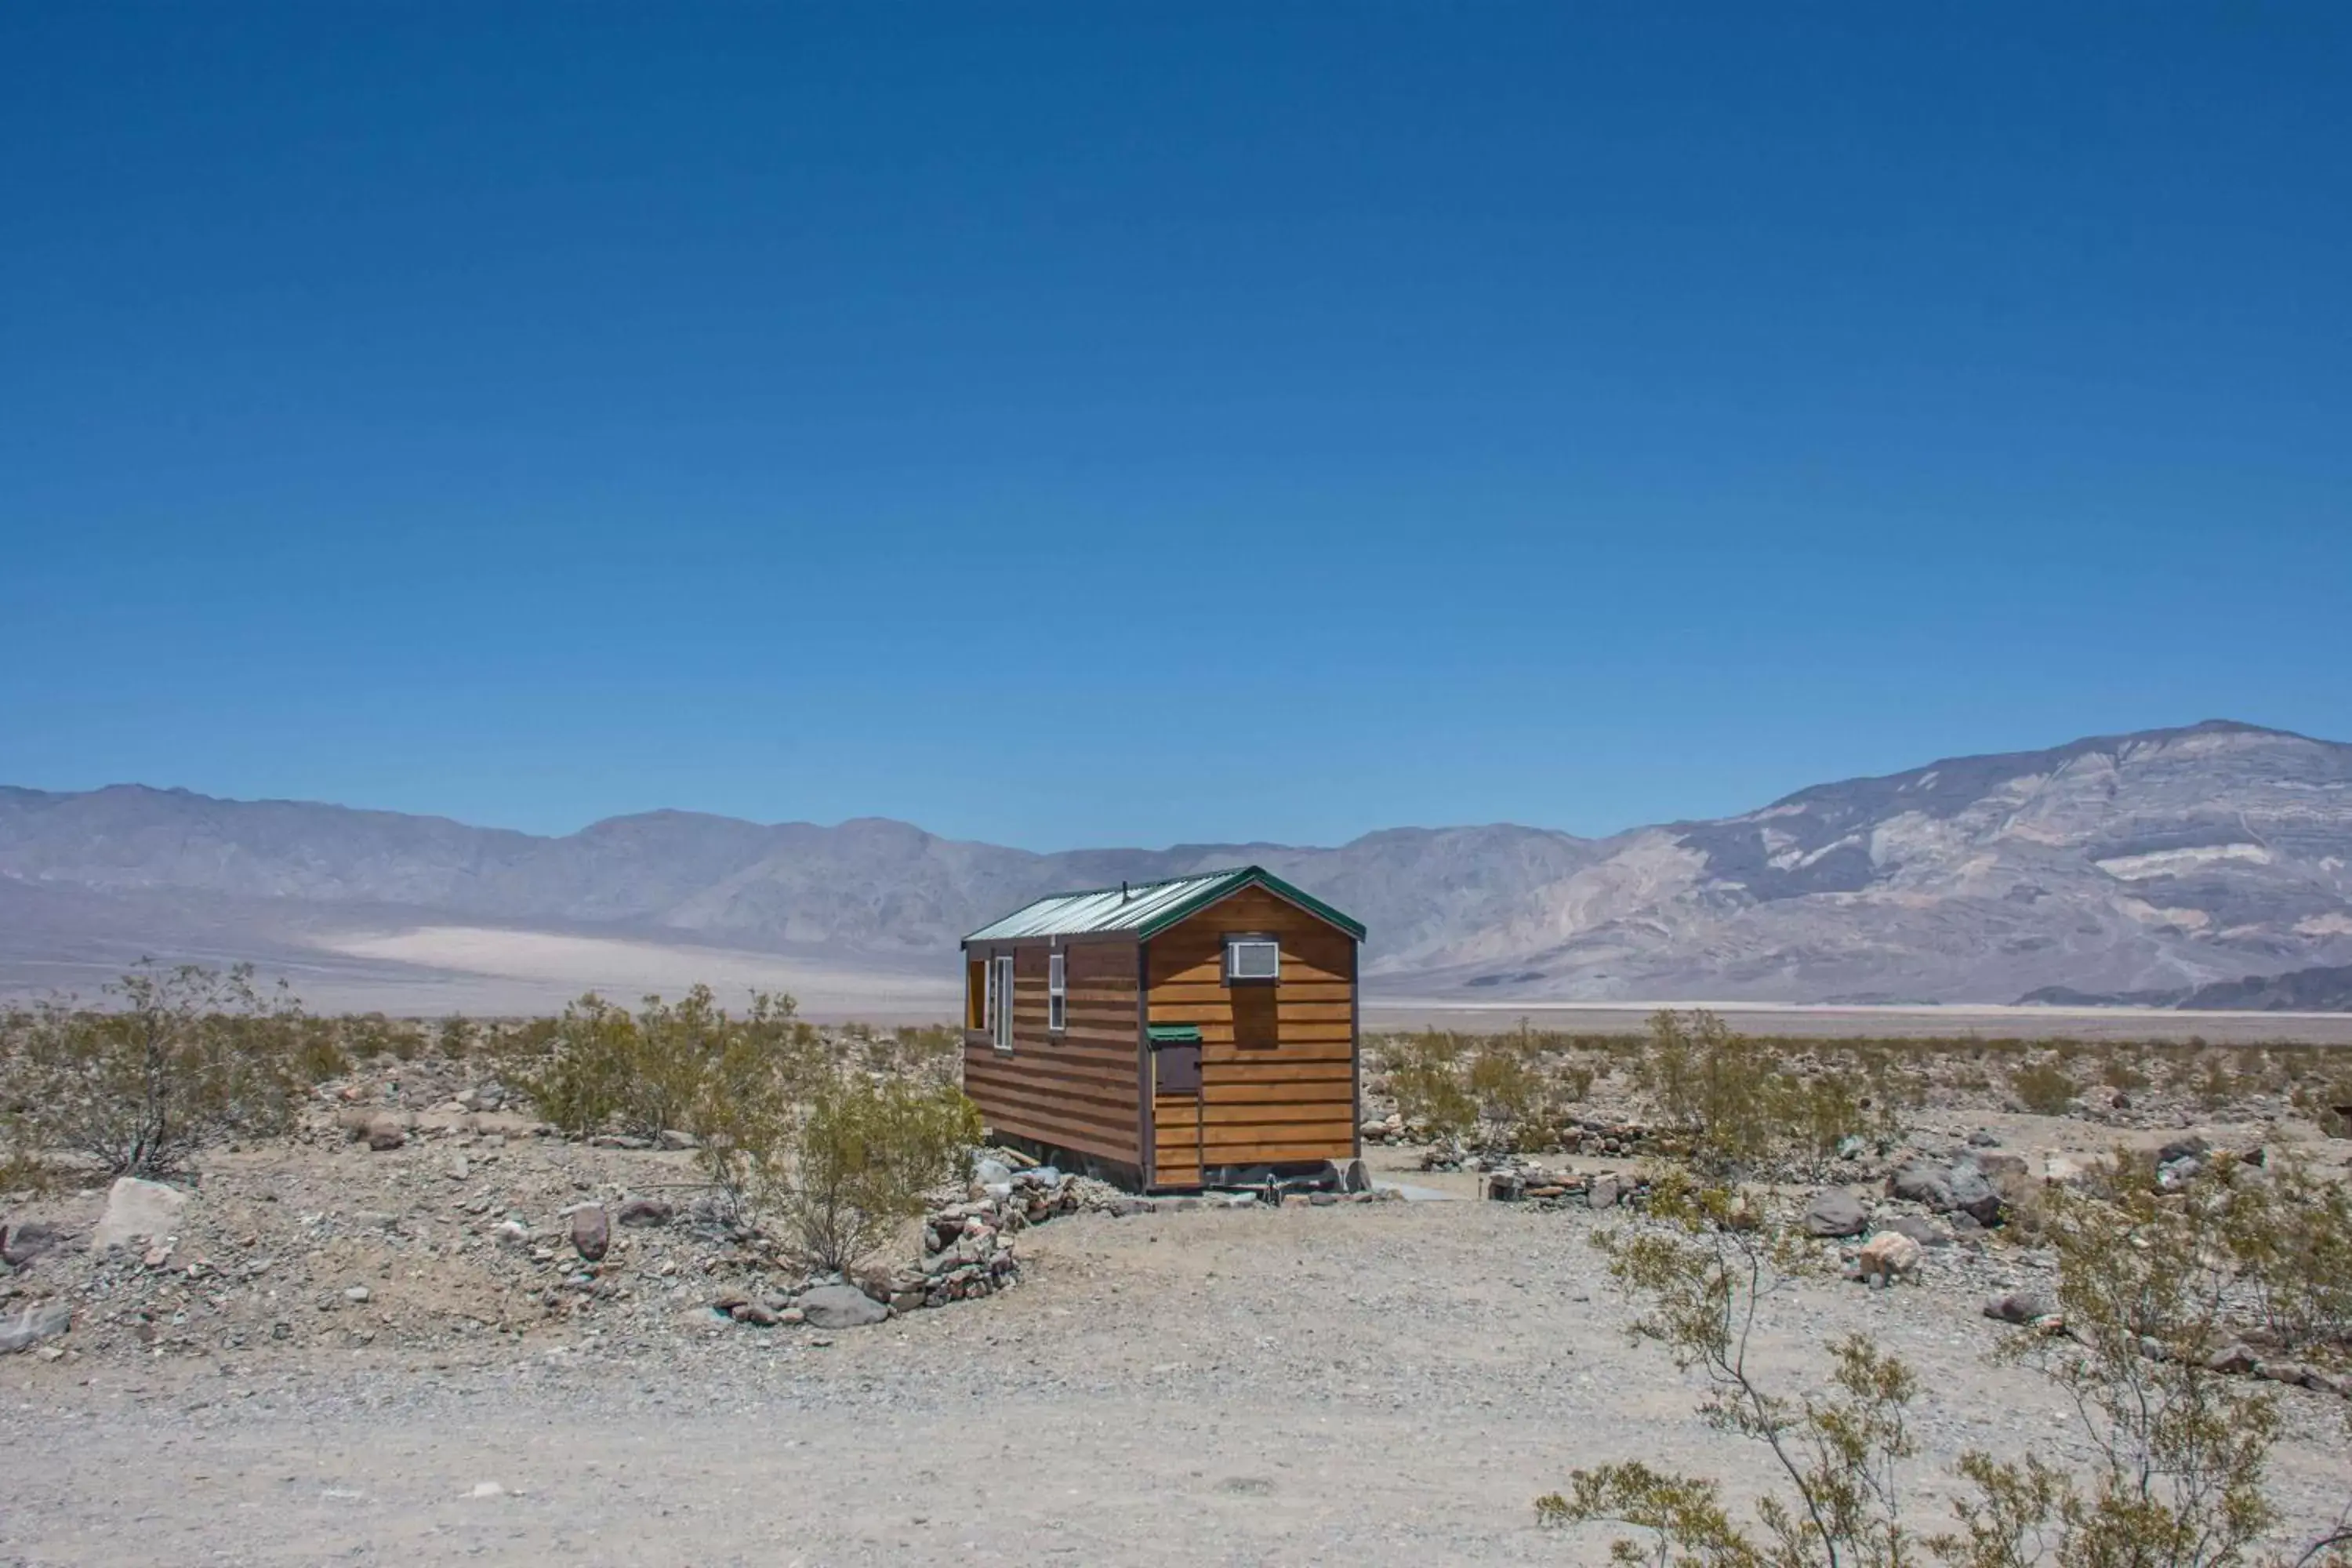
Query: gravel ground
x=1391 y=1385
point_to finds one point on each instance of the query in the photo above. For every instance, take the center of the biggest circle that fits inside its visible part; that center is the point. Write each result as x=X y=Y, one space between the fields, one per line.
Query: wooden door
x=1176 y=1114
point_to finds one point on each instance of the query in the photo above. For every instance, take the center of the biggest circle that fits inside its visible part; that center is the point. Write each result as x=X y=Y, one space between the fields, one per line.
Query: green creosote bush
x=689 y=1065
x=2042 y=1088
x=174 y=1061
x=1739 y=1109
x=859 y=1159
x=1426 y=1079
x=2180 y=1451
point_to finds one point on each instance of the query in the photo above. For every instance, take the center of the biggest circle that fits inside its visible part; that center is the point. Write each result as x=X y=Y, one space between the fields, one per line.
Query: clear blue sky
x=1129 y=424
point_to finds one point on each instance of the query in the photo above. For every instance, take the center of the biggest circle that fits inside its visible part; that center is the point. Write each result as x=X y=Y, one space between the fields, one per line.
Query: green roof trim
x=1173 y=1034
x=1145 y=909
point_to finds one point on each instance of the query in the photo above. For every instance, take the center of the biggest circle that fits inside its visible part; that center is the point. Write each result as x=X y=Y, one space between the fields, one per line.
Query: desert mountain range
x=2142 y=865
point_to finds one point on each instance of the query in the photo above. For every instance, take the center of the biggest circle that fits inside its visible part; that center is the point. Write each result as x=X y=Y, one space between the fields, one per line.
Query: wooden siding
x=1277 y=1063
x=1176 y=1140
x=1075 y=1089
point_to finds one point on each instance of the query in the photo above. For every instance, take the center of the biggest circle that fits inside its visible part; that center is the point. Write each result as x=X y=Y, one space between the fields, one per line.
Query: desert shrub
x=454 y=1038
x=366 y=1036
x=577 y=1082
x=174 y=1061
x=1426 y=1078
x=2287 y=1232
x=688 y=1065
x=1701 y=1277
x=1738 y=1109
x=2121 y=1073
x=2042 y=1088
x=1505 y=1085
x=2180 y=1451
x=860 y=1158
x=318 y=1050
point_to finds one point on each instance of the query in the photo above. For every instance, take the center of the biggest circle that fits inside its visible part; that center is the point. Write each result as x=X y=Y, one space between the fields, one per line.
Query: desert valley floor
x=1383 y=1385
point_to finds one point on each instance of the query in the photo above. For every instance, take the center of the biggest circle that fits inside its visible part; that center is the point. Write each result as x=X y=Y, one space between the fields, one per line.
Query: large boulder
x=1973 y=1194
x=841 y=1307
x=1835 y=1212
x=1922 y=1182
x=137 y=1210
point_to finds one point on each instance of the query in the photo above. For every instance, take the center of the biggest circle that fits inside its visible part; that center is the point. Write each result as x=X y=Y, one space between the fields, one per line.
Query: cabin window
x=1253 y=961
x=975 y=995
x=1057 y=993
x=1000 y=1004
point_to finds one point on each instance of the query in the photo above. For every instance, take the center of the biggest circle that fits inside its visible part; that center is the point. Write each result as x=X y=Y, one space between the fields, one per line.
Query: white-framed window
x=1000 y=1004
x=1253 y=959
x=1057 y=993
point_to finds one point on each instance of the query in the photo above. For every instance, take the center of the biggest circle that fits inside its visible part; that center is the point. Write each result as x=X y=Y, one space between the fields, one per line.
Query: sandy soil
x=487 y=970
x=1386 y=1384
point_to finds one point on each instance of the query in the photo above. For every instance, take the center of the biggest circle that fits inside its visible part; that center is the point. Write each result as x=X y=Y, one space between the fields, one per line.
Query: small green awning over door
x=1172 y=1034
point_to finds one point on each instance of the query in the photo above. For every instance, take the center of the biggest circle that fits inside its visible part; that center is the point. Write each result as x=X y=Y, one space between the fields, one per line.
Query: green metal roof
x=1142 y=909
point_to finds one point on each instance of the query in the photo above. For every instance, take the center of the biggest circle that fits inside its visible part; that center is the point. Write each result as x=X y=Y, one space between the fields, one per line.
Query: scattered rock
x=643 y=1211
x=22 y=1244
x=385 y=1133
x=1919 y=1228
x=1973 y=1194
x=2020 y=1307
x=34 y=1325
x=754 y=1314
x=674 y=1140
x=1888 y=1256
x=1601 y=1194
x=1835 y=1212
x=591 y=1235
x=841 y=1307
x=136 y=1209
x=2236 y=1358
x=2193 y=1147
x=1920 y=1182
x=358 y=1295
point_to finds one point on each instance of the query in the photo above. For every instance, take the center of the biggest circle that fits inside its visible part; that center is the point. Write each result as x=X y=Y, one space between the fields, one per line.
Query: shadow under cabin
x=1170 y=1036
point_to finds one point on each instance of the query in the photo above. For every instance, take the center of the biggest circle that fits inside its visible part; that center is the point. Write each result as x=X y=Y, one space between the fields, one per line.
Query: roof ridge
x=1139 y=886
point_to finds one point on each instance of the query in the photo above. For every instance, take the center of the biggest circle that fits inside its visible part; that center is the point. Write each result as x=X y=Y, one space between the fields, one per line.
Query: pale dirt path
x=1381 y=1385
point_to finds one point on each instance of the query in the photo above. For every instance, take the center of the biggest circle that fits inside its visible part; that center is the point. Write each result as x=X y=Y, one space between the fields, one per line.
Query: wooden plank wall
x=1176 y=1140
x=1277 y=1072
x=1076 y=1089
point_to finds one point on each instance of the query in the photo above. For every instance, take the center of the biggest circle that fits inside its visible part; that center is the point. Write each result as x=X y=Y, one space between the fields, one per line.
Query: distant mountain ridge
x=2155 y=862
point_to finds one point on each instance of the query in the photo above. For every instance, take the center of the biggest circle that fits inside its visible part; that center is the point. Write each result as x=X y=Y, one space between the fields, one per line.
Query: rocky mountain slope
x=2156 y=862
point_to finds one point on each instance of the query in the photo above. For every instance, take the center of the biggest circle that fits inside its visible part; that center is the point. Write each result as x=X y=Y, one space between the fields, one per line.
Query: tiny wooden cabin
x=1176 y=1033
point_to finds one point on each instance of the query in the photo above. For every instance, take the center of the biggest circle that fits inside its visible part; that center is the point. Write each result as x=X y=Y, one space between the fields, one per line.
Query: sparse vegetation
x=2180 y=1448
x=857 y=1160
x=177 y=1060
x=2042 y=1088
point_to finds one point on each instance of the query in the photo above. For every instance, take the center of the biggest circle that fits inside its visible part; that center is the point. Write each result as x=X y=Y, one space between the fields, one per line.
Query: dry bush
x=690 y=1066
x=859 y=1159
x=1741 y=1109
x=1426 y=1078
x=174 y=1061
x=2042 y=1088
x=2180 y=1451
